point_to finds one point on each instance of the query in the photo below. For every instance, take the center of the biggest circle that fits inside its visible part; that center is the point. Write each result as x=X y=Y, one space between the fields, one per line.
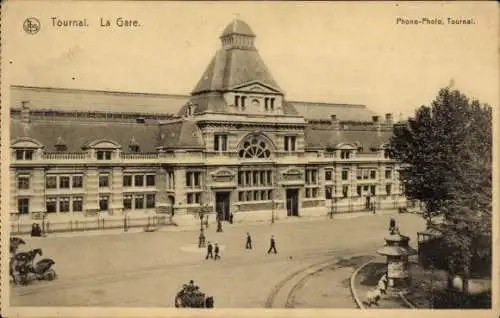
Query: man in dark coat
x=248 y=244
x=216 y=250
x=272 y=247
x=36 y=230
x=209 y=251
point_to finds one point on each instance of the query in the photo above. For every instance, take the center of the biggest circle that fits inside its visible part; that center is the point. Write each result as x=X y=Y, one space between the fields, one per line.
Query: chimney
x=25 y=112
x=377 y=125
x=388 y=118
x=335 y=122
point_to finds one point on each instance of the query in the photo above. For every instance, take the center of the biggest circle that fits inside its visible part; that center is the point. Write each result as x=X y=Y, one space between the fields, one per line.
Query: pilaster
x=180 y=190
x=37 y=201
x=161 y=191
x=91 y=183
x=13 y=192
x=116 y=207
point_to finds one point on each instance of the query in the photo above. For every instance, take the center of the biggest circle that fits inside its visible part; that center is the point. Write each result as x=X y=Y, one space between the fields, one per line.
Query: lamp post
x=201 y=237
x=273 y=192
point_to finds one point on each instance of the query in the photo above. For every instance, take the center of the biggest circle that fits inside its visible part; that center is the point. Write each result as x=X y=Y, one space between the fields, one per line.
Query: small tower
x=397 y=250
x=238 y=35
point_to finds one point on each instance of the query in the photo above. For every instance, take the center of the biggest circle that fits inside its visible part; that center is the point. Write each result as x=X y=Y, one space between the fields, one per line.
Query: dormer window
x=134 y=148
x=24 y=154
x=60 y=145
x=61 y=148
x=237 y=101
x=345 y=154
x=386 y=151
x=387 y=154
x=103 y=154
x=24 y=148
x=103 y=148
x=133 y=145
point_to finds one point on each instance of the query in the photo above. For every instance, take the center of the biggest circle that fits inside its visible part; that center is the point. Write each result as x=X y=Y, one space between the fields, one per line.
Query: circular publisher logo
x=31 y=25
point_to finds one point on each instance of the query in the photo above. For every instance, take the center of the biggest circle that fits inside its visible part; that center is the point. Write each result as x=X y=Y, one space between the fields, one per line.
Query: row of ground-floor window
x=223 y=205
x=68 y=204
x=140 y=201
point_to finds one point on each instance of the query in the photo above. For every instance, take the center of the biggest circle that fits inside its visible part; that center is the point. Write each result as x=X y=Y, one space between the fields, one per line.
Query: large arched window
x=255 y=147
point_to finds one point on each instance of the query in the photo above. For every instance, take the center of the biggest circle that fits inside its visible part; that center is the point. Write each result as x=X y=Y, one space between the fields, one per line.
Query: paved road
x=147 y=269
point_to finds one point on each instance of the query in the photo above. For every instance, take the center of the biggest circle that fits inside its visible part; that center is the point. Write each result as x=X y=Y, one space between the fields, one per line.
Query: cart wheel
x=51 y=275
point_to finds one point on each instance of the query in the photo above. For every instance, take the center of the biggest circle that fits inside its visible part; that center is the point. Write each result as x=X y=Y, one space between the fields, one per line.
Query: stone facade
x=236 y=146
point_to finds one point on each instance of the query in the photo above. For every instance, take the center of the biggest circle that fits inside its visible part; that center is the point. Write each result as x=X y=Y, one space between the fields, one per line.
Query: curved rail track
x=283 y=294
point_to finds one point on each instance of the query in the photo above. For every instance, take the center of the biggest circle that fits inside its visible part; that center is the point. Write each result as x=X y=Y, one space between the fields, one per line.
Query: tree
x=446 y=149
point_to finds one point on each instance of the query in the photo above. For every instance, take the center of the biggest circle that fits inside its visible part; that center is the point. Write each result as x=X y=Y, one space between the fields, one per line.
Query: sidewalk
x=186 y=228
x=365 y=279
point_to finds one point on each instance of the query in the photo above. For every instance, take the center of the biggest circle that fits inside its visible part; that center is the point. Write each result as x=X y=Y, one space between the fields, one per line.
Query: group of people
x=272 y=244
x=36 y=231
x=190 y=288
x=213 y=250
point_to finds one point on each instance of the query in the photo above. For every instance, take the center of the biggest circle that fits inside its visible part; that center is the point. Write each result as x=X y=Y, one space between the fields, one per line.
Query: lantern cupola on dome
x=238 y=34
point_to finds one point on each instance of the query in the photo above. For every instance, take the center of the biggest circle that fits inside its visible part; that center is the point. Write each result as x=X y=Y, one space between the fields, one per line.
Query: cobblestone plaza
x=147 y=269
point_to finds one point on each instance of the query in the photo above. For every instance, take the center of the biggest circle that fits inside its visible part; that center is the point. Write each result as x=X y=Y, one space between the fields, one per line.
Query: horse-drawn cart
x=191 y=297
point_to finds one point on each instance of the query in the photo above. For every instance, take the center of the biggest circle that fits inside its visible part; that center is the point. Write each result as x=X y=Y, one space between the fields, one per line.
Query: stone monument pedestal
x=397 y=250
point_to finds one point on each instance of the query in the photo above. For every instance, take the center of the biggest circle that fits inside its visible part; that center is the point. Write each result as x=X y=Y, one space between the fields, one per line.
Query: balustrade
x=64 y=155
x=134 y=156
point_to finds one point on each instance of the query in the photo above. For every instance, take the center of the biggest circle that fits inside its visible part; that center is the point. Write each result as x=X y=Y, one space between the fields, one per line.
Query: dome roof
x=237 y=27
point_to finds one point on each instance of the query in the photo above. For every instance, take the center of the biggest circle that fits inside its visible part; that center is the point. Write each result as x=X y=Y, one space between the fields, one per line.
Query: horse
x=14 y=244
x=21 y=263
x=209 y=302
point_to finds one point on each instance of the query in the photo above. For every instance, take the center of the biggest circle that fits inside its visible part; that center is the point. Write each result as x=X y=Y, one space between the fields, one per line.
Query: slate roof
x=237 y=26
x=183 y=133
x=180 y=134
x=91 y=100
x=327 y=138
x=213 y=102
x=344 y=112
x=233 y=67
x=64 y=99
x=76 y=134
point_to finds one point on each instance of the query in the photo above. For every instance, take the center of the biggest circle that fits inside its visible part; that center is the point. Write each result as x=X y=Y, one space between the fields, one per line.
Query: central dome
x=237 y=27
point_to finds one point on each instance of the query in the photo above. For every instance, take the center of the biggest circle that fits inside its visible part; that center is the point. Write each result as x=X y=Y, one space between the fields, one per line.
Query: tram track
x=283 y=294
x=66 y=283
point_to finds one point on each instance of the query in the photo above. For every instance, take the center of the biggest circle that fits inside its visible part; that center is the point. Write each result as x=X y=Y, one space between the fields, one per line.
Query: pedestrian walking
x=392 y=225
x=231 y=218
x=209 y=251
x=248 y=244
x=272 y=246
x=216 y=250
x=219 y=226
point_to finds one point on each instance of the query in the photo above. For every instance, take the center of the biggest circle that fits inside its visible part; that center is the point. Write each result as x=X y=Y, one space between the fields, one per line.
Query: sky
x=318 y=51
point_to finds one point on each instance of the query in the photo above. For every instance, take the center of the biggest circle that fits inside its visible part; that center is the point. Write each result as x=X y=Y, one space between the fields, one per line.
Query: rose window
x=254 y=148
